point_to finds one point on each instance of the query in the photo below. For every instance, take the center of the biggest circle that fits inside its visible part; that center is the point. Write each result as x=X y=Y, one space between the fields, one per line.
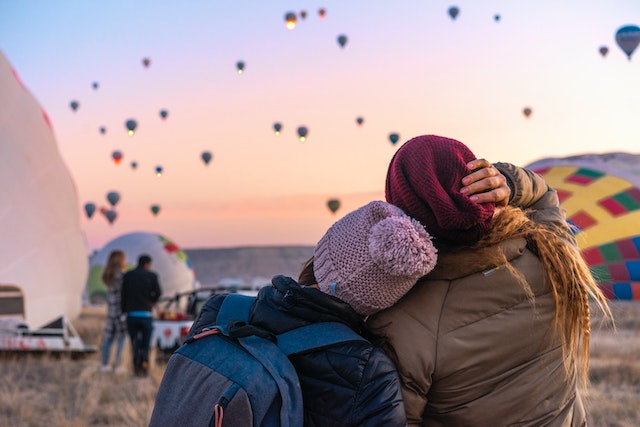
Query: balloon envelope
x=95 y=85
x=111 y=215
x=89 y=209
x=603 y=50
x=43 y=251
x=394 y=138
x=74 y=105
x=131 y=126
x=302 y=133
x=113 y=197
x=600 y=194
x=158 y=170
x=164 y=114
x=628 y=38
x=290 y=20
x=172 y=265
x=206 y=157
x=527 y=111
x=240 y=67
x=116 y=156
x=146 y=62
x=277 y=127
x=360 y=121
x=453 y=12
x=342 y=40
x=333 y=205
x=103 y=130
x=155 y=209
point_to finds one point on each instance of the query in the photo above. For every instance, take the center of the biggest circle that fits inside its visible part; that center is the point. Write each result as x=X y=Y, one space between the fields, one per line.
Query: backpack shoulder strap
x=316 y=336
x=234 y=307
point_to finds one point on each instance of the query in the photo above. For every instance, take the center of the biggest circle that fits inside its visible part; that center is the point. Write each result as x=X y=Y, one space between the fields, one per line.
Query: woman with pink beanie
x=498 y=333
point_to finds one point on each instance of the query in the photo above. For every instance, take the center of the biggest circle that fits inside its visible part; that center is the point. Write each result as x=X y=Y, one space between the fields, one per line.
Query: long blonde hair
x=571 y=281
x=115 y=264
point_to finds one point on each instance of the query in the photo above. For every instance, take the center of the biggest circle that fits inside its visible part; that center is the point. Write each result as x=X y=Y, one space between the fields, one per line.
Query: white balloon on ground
x=170 y=263
x=43 y=250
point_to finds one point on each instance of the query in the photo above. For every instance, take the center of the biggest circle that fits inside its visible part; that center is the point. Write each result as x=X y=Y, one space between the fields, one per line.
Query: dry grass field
x=40 y=391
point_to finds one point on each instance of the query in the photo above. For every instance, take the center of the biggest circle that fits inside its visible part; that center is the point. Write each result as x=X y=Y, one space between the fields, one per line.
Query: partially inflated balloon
x=277 y=127
x=206 y=157
x=74 y=105
x=527 y=112
x=131 y=126
x=155 y=209
x=394 y=137
x=333 y=205
x=342 y=40
x=113 y=197
x=453 y=12
x=240 y=67
x=628 y=38
x=290 y=20
x=302 y=133
x=89 y=209
x=116 y=156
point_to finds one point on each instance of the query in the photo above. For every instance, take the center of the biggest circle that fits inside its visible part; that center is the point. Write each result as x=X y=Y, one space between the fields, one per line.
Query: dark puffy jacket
x=351 y=384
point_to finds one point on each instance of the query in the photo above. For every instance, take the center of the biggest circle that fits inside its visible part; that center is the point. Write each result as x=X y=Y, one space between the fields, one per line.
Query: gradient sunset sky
x=407 y=67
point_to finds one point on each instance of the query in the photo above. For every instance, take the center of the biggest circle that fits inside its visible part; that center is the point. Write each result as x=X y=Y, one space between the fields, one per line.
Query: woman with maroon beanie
x=498 y=333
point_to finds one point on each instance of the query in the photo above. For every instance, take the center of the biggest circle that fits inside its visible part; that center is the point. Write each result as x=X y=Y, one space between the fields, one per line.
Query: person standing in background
x=115 y=327
x=140 y=291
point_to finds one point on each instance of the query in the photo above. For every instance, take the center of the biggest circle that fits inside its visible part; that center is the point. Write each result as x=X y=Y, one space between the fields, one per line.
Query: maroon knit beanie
x=424 y=180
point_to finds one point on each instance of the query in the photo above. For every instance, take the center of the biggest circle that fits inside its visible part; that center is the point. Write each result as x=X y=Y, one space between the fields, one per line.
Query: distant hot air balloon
x=146 y=62
x=453 y=12
x=290 y=20
x=74 y=105
x=527 y=112
x=206 y=157
x=628 y=38
x=322 y=12
x=158 y=171
x=131 y=126
x=342 y=40
x=95 y=85
x=302 y=133
x=240 y=67
x=359 y=121
x=155 y=209
x=116 y=156
x=394 y=137
x=89 y=209
x=603 y=51
x=111 y=215
x=113 y=197
x=134 y=165
x=277 y=127
x=103 y=130
x=333 y=205
x=496 y=17
x=303 y=14
x=163 y=114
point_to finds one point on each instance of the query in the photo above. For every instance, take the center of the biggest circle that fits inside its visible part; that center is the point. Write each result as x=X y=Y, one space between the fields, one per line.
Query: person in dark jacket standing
x=365 y=262
x=140 y=291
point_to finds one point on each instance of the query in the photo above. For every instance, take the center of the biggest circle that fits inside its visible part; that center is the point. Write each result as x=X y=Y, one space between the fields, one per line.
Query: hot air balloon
x=322 y=12
x=89 y=209
x=628 y=38
x=111 y=215
x=116 y=156
x=158 y=171
x=240 y=66
x=600 y=194
x=394 y=137
x=290 y=20
x=113 y=197
x=146 y=62
x=603 y=51
x=155 y=209
x=103 y=130
x=527 y=112
x=342 y=40
x=95 y=85
x=333 y=205
x=453 y=12
x=131 y=126
x=496 y=17
x=74 y=105
x=163 y=114
x=206 y=157
x=277 y=127
x=359 y=121
x=134 y=165
x=303 y=14
x=302 y=133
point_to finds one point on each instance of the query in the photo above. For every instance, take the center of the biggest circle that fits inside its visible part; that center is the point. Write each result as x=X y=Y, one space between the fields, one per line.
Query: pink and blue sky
x=407 y=68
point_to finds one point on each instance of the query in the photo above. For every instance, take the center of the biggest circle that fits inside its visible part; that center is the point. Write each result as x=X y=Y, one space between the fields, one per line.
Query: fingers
x=485 y=184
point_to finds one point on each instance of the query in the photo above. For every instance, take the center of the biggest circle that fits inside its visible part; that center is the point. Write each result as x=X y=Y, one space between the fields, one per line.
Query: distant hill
x=247 y=264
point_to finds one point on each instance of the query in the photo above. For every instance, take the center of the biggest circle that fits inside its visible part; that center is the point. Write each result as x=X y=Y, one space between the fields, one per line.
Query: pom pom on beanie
x=424 y=179
x=373 y=256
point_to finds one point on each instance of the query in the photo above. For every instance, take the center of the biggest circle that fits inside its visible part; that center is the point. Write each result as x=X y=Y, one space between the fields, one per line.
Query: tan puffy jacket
x=471 y=349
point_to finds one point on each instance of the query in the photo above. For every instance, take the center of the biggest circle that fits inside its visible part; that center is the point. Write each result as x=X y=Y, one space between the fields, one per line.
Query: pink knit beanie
x=372 y=256
x=424 y=179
